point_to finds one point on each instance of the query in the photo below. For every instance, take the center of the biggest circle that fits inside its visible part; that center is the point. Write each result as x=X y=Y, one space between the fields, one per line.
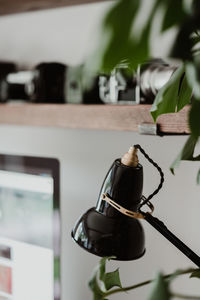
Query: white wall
x=65 y=35
x=85 y=157
x=62 y=34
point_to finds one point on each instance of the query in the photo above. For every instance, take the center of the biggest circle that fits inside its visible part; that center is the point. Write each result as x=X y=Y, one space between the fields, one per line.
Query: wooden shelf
x=18 y=6
x=102 y=117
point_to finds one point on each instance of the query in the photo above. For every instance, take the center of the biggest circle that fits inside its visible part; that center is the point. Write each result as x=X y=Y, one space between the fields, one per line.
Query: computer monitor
x=29 y=228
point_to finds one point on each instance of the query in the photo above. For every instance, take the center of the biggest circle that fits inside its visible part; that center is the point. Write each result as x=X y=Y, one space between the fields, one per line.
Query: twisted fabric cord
x=160 y=172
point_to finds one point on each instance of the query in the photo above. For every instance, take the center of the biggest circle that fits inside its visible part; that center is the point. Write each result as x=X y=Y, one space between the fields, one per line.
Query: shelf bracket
x=148 y=128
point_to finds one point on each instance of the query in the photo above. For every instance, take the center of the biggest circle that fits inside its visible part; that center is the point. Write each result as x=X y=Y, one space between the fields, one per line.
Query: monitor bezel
x=34 y=165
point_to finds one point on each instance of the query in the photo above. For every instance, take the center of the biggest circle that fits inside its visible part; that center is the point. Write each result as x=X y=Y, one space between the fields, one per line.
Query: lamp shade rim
x=103 y=236
x=113 y=257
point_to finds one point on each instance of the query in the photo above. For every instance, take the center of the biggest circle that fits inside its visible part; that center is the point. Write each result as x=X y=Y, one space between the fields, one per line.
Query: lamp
x=112 y=228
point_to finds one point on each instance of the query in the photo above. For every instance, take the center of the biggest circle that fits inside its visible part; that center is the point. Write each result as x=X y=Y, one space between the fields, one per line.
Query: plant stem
x=185 y=296
x=135 y=286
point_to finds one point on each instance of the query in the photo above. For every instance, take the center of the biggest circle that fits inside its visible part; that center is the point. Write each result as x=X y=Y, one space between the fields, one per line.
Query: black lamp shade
x=106 y=232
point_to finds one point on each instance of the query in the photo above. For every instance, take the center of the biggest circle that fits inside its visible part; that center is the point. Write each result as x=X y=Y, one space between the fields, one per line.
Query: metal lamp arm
x=160 y=226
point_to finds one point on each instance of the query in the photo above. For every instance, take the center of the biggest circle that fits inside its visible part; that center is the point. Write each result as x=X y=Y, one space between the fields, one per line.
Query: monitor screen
x=29 y=228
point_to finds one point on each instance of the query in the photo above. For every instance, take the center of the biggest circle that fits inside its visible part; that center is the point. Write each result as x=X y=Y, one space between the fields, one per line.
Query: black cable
x=159 y=225
x=159 y=170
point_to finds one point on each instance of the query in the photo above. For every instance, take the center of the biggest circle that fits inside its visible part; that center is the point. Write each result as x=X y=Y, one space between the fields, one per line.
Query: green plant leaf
x=186 y=153
x=195 y=274
x=183 y=44
x=195 y=39
x=193 y=77
x=102 y=267
x=140 y=48
x=194 y=118
x=122 y=43
x=198 y=177
x=160 y=289
x=112 y=279
x=101 y=282
x=174 y=14
x=94 y=286
x=184 y=94
x=116 y=30
x=168 y=98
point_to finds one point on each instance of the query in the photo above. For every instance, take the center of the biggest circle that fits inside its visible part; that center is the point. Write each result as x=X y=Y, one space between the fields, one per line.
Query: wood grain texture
x=103 y=117
x=18 y=6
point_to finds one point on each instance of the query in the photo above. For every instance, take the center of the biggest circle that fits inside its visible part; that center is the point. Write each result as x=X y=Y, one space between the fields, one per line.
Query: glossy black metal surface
x=124 y=185
x=120 y=237
x=106 y=232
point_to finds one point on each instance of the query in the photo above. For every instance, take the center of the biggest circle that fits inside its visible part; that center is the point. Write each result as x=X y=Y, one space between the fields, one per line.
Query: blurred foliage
x=125 y=42
x=160 y=289
x=173 y=96
x=56 y=268
x=103 y=284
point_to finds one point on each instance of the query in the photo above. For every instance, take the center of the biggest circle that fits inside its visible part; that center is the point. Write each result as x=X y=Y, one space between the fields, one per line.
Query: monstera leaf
x=187 y=153
x=173 y=96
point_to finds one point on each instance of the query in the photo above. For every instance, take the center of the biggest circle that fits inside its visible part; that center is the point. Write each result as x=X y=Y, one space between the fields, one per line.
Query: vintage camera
x=58 y=83
x=140 y=87
x=76 y=92
x=47 y=83
x=44 y=83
